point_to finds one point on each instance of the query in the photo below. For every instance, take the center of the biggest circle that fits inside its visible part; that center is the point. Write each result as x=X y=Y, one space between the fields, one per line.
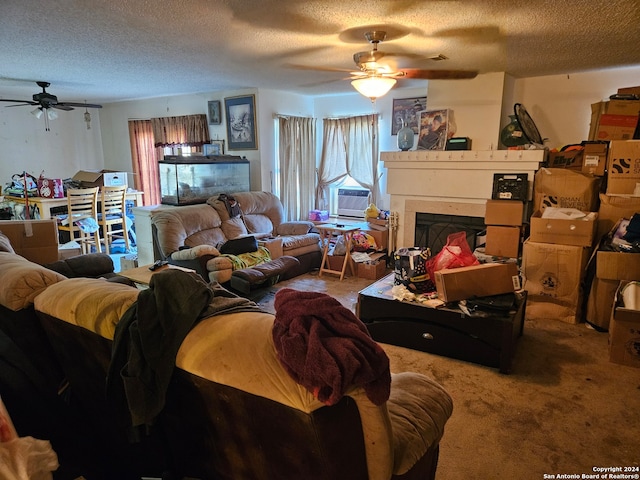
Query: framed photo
x=434 y=130
x=241 y=122
x=407 y=110
x=215 y=114
x=216 y=147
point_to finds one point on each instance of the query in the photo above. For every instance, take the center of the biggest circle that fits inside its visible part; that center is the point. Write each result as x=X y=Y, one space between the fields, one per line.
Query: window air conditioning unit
x=352 y=202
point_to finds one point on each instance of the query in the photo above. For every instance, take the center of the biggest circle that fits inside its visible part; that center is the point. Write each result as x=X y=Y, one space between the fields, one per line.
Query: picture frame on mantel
x=215 y=113
x=407 y=110
x=241 y=122
x=216 y=147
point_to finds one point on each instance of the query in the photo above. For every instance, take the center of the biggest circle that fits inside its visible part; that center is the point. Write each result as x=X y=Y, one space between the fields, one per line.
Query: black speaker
x=458 y=143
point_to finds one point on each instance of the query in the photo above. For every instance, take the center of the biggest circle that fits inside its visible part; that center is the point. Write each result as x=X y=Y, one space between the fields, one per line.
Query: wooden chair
x=82 y=218
x=112 y=215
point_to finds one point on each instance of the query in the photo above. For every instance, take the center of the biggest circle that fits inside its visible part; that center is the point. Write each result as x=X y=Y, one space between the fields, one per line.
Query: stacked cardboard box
x=503 y=219
x=624 y=332
x=614 y=119
x=555 y=256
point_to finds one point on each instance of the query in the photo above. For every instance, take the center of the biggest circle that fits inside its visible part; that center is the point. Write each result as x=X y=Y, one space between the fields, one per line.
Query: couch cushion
x=189 y=225
x=419 y=408
x=22 y=281
x=91 y=303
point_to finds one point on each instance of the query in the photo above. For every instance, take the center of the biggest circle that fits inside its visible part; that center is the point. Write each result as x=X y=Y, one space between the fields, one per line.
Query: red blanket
x=327 y=349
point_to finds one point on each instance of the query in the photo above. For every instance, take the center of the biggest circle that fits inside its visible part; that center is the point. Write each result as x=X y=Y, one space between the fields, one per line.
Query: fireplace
x=455 y=184
x=432 y=229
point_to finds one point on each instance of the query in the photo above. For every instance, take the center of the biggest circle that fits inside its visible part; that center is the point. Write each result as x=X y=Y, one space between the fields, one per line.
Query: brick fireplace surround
x=448 y=182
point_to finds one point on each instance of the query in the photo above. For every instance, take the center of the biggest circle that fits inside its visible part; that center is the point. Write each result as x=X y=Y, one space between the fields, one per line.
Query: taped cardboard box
x=623 y=167
x=562 y=188
x=374 y=268
x=35 y=240
x=476 y=281
x=594 y=158
x=571 y=159
x=100 y=178
x=624 y=333
x=503 y=212
x=553 y=276
x=605 y=116
x=577 y=231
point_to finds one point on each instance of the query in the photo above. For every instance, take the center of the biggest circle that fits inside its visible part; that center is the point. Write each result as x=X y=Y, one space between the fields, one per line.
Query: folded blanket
x=326 y=348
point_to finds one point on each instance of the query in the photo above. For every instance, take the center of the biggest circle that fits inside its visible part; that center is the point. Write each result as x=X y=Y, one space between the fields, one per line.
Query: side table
x=142 y=275
x=326 y=231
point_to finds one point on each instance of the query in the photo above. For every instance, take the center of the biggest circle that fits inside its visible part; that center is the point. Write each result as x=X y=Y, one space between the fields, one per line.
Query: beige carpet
x=564 y=409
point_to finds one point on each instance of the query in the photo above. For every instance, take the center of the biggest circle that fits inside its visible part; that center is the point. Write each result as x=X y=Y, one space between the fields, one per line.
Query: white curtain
x=297 y=160
x=349 y=147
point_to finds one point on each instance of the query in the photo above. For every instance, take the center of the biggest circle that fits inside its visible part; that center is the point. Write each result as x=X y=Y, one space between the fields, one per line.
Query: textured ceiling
x=112 y=50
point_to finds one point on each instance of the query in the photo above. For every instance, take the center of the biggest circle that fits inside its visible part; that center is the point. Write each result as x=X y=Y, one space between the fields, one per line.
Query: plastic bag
x=456 y=253
x=23 y=458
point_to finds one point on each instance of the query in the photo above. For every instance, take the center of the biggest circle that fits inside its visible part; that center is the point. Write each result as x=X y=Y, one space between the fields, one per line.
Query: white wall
x=559 y=104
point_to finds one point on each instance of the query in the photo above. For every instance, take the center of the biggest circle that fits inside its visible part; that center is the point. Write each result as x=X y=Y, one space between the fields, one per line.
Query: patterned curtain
x=191 y=130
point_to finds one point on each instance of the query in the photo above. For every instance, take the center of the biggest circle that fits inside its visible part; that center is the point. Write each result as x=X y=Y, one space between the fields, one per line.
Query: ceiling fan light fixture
x=51 y=114
x=373 y=87
x=37 y=112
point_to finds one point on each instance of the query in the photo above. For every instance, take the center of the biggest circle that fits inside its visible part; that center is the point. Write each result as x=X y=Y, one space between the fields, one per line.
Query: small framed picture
x=215 y=113
x=407 y=111
x=241 y=122
x=434 y=130
x=216 y=147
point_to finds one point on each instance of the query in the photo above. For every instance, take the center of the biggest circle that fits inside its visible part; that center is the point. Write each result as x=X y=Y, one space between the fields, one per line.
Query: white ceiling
x=103 y=51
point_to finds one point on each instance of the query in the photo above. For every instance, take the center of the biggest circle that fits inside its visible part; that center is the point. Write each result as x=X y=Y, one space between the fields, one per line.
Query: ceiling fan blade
x=21 y=102
x=318 y=69
x=437 y=74
x=78 y=105
x=62 y=106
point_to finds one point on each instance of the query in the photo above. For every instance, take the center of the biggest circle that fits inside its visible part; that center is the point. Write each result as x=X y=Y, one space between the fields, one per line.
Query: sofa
x=33 y=385
x=230 y=408
x=192 y=236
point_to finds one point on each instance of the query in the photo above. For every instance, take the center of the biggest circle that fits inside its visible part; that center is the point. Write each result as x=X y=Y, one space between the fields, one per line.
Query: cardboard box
x=562 y=188
x=69 y=249
x=616 y=127
x=623 y=167
x=476 y=281
x=620 y=108
x=612 y=209
x=624 y=333
x=374 y=269
x=580 y=231
x=617 y=265
x=503 y=241
x=377 y=221
x=100 y=178
x=568 y=159
x=503 y=212
x=594 y=158
x=380 y=236
x=629 y=91
x=35 y=240
x=336 y=262
x=600 y=302
x=553 y=277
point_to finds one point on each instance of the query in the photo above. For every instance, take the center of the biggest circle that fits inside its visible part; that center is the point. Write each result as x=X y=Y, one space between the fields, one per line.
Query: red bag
x=456 y=253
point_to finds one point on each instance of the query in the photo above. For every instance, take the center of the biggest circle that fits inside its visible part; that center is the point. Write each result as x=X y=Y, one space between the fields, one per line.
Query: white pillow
x=195 y=252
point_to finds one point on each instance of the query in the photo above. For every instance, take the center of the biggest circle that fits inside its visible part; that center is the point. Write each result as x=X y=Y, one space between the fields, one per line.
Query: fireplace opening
x=432 y=229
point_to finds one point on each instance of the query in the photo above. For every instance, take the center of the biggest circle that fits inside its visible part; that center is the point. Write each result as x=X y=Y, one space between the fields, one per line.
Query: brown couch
x=232 y=411
x=191 y=235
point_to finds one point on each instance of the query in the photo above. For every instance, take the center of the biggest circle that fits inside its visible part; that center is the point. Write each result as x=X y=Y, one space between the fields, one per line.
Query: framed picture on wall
x=407 y=110
x=241 y=122
x=215 y=114
x=216 y=147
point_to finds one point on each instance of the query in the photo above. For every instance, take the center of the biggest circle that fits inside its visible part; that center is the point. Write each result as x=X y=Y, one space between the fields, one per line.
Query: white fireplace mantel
x=456 y=182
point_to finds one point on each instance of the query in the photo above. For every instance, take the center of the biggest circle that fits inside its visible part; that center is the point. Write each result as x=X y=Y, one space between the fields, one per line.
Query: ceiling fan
x=46 y=101
x=375 y=77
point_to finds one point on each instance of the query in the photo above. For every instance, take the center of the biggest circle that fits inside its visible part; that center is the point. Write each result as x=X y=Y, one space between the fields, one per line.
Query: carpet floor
x=564 y=409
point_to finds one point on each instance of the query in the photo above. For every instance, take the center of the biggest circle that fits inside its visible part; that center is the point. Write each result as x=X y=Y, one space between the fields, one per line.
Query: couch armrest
x=294 y=228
